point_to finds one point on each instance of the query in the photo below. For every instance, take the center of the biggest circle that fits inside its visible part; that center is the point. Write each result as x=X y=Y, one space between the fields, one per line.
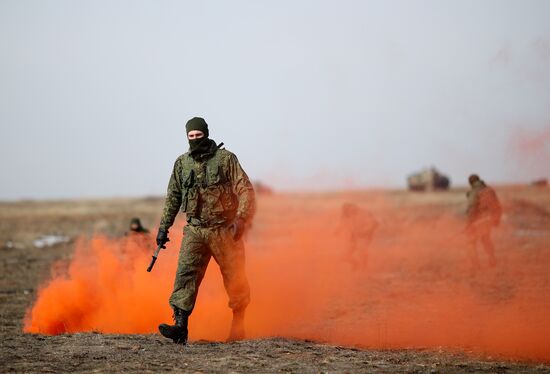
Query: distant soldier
x=484 y=212
x=358 y=227
x=212 y=189
x=136 y=227
x=137 y=237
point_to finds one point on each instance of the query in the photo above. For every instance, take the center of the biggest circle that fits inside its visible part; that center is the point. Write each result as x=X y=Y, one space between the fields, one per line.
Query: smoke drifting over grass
x=531 y=151
x=417 y=290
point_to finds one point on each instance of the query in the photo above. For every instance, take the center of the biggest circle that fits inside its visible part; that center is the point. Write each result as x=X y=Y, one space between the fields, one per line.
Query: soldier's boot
x=178 y=331
x=237 y=326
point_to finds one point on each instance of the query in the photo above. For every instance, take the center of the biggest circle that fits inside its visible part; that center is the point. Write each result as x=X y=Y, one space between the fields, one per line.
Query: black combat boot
x=178 y=332
x=237 y=326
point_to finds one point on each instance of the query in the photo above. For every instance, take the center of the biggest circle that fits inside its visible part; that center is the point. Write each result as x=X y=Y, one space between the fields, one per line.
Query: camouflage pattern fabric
x=212 y=191
x=198 y=246
x=215 y=191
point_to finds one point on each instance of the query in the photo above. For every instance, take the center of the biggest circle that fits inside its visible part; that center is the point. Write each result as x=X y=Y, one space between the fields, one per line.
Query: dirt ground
x=23 y=268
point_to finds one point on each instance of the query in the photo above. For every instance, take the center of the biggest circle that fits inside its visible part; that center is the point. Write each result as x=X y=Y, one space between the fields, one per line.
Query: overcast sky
x=94 y=95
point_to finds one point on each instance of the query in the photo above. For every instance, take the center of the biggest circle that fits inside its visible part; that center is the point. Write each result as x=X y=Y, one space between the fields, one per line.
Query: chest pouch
x=217 y=193
x=190 y=195
x=214 y=174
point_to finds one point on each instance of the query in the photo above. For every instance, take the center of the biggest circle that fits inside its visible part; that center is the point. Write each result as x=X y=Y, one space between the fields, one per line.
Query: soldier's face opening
x=195 y=134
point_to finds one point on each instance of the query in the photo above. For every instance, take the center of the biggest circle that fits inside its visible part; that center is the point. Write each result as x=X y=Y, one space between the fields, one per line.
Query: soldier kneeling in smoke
x=214 y=192
x=136 y=229
x=484 y=212
x=358 y=226
x=137 y=238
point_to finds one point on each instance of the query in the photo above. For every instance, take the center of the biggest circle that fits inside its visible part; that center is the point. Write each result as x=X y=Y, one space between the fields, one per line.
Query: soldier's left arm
x=496 y=207
x=242 y=187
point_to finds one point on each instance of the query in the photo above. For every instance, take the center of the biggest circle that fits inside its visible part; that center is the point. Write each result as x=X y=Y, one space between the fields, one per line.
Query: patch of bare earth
x=23 y=269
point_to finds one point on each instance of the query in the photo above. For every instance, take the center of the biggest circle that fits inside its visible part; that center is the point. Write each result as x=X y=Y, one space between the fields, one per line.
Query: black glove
x=162 y=238
x=237 y=228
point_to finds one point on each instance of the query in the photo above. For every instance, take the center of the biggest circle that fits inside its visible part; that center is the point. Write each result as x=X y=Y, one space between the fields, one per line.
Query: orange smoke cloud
x=531 y=150
x=416 y=291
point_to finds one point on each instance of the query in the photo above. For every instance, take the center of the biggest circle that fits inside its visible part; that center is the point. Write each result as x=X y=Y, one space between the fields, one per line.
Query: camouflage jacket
x=483 y=203
x=211 y=192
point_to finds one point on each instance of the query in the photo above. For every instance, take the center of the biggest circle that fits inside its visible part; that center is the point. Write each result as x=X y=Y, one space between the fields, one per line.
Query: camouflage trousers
x=199 y=244
x=480 y=231
x=356 y=252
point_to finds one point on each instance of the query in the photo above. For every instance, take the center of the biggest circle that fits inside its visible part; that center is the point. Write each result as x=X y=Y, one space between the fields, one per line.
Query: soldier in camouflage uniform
x=136 y=227
x=358 y=226
x=137 y=238
x=484 y=212
x=212 y=189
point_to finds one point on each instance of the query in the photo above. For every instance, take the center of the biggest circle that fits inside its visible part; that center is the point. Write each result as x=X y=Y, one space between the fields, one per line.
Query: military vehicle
x=543 y=182
x=428 y=180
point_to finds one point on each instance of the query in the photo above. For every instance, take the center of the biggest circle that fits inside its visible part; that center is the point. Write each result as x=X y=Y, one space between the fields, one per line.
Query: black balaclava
x=197 y=123
x=135 y=225
x=201 y=146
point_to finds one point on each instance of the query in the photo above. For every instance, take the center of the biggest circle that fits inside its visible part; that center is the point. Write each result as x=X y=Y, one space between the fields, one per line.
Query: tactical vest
x=207 y=191
x=486 y=203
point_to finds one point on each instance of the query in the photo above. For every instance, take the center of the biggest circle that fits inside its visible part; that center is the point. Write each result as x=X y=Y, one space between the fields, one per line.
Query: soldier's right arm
x=473 y=199
x=173 y=197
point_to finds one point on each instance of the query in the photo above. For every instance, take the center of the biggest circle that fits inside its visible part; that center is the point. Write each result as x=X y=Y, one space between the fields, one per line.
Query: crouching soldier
x=136 y=241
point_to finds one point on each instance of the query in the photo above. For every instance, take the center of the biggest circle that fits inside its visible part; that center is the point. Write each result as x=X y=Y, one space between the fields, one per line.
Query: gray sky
x=315 y=95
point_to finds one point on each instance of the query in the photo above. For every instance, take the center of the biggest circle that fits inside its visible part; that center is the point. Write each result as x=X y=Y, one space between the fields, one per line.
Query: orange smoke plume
x=416 y=291
x=530 y=149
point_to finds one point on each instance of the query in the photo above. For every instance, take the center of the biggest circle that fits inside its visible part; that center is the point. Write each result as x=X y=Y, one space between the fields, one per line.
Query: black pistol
x=154 y=259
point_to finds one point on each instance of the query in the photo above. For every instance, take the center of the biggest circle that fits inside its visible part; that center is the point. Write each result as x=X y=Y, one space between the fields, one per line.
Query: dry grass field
x=416 y=307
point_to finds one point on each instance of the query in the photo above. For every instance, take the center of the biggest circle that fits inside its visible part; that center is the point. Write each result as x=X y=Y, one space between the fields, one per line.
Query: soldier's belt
x=206 y=223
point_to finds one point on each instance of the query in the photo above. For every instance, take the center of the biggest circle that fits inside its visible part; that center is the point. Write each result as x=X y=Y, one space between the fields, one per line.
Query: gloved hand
x=237 y=228
x=162 y=238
